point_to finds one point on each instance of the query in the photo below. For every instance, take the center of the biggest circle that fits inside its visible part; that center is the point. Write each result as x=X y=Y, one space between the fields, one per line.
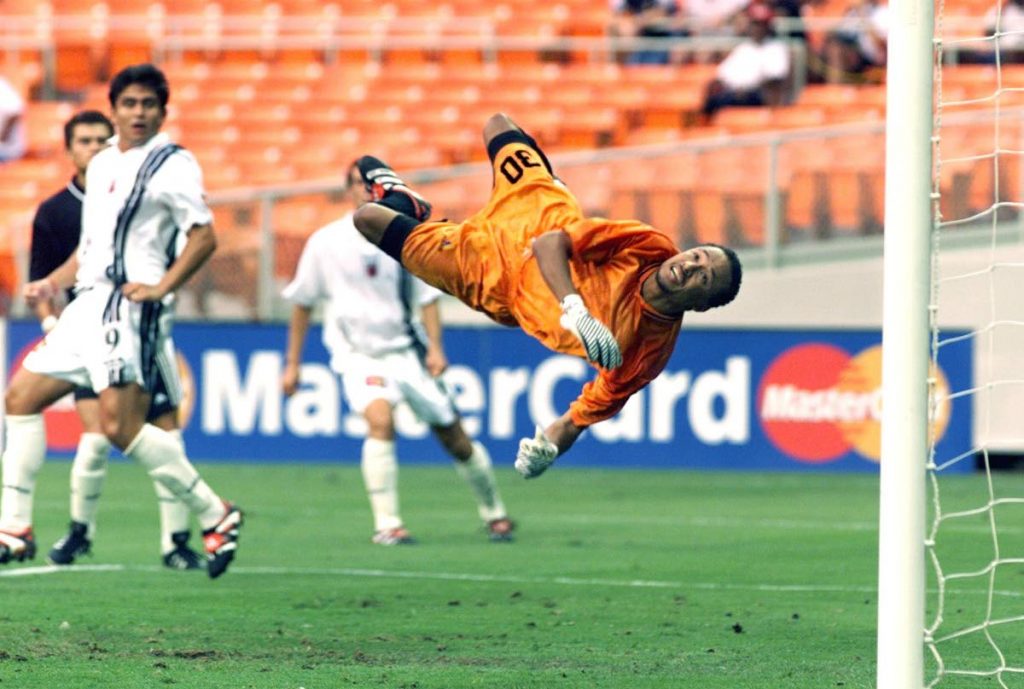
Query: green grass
x=618 y=579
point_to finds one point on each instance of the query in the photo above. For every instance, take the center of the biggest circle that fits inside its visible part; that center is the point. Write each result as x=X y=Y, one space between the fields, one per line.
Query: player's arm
x=199 y=246
x=298 y=326
x=45 y=309
x=563 y=432
x=436 y=361
x=44 y=291
x=552 y=250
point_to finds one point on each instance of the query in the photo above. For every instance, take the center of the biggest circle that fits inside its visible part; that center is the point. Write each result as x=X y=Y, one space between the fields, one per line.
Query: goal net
x=974 y=529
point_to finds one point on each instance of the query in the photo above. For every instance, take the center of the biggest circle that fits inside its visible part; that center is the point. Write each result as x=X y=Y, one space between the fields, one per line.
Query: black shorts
x=156 y=410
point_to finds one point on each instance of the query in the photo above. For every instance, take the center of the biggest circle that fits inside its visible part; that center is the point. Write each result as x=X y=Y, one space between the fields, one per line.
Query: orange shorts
x=478 y=260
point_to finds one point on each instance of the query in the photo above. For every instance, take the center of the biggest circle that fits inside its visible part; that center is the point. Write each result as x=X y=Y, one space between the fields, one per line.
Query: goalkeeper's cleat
x=71 y=546
x=381 y=181
x=500 y=530
x=221 y=541
x=396 y=536
x=182 y=557
x=18 y=546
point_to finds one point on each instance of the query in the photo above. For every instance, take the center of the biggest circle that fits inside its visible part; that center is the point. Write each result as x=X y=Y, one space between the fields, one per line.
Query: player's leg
x=88 y=474
x=49 y=372
x=501 y=124
x=174 y=513
x=123 y=410
x=167 y=396
x=124 y=376
x=430 y=401
x=473 y=464
x=379 y=465
x=388 y=189
x=370 y=392
x=27 y=396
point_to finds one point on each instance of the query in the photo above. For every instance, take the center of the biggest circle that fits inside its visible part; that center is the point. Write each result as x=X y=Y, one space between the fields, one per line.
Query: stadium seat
x=44 y=127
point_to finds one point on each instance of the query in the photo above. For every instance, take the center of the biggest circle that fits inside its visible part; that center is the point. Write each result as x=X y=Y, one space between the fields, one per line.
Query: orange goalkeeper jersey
x=487 y=262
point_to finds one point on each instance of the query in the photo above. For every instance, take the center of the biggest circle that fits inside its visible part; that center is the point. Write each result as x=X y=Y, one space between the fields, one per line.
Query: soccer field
x=617 y=579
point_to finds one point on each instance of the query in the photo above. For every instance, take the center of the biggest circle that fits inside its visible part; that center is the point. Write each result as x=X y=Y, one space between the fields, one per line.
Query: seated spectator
x=793 y=12
x=644 y=19
x=756 y=71
x=12 y=125
x=858 y=47
x=714 y=17
x=1005 y=19
x=1008 y=19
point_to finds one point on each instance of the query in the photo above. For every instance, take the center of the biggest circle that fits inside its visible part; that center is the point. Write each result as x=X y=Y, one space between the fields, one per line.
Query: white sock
x=477 y=472
x=380 y=475
x=26 y=450
x=164 y=459
x=88 y=474
x=174 y=513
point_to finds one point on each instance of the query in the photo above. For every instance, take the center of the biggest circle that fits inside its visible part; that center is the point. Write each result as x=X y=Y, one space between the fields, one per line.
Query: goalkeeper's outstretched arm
x=563 y=432
x=553 y=249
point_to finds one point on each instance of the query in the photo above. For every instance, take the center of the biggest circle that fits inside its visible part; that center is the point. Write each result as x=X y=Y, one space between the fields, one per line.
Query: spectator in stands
x=56 y=229
x=756 y=72
x=644 y=19
x=1007 y=19
x=382 y=327
x=12 y=122
x=791 y=12
x=611 y=291
x=713 y=17
x=856 y=51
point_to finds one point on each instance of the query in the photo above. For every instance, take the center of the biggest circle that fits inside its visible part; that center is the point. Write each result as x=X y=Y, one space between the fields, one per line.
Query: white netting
x=975 y=541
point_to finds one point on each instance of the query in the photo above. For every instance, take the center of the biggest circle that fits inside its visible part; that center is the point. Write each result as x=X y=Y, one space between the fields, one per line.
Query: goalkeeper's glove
x=535 y=455
x=597 y=339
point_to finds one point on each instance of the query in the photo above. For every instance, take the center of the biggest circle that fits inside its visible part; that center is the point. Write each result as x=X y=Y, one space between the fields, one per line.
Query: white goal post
x=905 y=339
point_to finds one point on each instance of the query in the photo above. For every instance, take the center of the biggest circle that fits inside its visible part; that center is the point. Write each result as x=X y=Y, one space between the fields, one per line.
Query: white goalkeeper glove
x=535 y=455
x=597 y=339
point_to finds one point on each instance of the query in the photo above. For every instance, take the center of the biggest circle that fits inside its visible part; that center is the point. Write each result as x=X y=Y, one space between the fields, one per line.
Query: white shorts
x=396 y=377
x=132 y=344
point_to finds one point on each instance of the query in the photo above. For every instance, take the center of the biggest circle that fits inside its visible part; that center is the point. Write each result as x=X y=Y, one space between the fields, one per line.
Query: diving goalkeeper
x=613 y=291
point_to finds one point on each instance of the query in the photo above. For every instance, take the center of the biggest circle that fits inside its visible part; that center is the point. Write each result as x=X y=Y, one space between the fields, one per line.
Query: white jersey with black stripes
x=173 y=203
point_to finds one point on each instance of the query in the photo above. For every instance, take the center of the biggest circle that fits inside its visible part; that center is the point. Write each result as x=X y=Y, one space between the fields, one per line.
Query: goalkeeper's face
x=691 y=279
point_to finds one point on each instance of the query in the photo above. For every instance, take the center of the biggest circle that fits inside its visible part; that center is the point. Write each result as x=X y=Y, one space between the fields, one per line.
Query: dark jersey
x=55 y=231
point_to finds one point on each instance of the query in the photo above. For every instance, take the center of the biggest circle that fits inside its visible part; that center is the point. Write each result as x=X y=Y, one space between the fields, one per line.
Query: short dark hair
x=146 y=75
x=85 y=117
x=723 y=297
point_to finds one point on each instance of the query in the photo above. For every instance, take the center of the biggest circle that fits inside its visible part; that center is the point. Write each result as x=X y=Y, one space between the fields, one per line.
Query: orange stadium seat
x=44 y=125
x=744 y=119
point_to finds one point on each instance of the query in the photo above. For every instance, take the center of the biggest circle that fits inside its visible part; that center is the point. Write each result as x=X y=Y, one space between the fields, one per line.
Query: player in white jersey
x=115 y=336
x=385 y=353
x=56 y=229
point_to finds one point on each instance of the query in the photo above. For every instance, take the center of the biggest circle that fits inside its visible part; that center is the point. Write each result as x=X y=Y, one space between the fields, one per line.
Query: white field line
x=465 y=576
x=981 y=526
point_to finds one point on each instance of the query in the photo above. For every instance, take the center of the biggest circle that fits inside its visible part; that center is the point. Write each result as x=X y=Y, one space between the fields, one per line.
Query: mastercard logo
x=817 y=402
x=63 y=427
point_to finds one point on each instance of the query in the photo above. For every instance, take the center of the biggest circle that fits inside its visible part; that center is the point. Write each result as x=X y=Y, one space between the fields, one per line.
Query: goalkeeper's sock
x=380 y=475
x=477 y=472
x=88 y=474
x=26 y=450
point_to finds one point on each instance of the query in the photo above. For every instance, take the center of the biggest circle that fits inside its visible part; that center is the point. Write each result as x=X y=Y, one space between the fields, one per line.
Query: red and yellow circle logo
x=816 y=402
